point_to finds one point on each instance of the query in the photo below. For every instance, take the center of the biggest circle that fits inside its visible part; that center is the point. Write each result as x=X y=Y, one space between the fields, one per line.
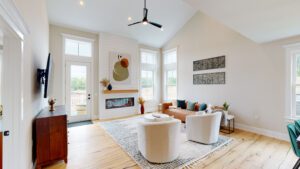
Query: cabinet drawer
x=58 y=137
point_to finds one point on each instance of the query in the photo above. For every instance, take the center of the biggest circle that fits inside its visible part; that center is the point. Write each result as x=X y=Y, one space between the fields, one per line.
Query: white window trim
x=290 y=81
x=150 y=67
x=75 y=57
x=173 y=66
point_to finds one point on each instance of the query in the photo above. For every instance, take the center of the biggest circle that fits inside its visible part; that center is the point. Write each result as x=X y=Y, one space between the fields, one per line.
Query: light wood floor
x=91 y=148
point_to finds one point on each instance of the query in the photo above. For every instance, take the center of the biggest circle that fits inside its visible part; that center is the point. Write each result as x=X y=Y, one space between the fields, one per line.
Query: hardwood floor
x=91 y=148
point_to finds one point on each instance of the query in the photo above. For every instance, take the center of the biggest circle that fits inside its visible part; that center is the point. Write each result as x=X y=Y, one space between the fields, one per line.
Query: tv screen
x=48 y=76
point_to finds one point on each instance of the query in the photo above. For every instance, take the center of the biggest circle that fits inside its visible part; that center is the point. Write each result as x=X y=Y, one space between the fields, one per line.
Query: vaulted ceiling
x=259 y=20
x=111 y=16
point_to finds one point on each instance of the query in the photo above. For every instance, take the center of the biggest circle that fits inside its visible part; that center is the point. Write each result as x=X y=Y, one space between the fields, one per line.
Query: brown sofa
x=178 y=113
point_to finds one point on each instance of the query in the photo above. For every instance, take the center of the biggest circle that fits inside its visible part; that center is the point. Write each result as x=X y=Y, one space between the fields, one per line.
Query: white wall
x=255 y=73
x=113 y=43
x=35 y=16
x=56 y=49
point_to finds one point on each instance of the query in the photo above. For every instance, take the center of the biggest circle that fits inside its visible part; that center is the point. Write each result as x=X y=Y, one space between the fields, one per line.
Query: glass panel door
x=78 y=91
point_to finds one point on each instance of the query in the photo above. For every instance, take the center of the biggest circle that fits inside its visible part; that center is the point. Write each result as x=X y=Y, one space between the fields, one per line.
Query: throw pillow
x=191 y=106
x=174 y=103
x=181 y=104
x=203 y=107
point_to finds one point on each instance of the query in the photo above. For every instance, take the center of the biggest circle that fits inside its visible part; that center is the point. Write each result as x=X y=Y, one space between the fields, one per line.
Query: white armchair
x=158 y=141
x=203 y=128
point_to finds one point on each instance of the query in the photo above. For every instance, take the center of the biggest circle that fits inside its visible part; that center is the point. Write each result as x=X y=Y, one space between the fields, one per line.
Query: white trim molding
x=261 y=131
x=12 y=17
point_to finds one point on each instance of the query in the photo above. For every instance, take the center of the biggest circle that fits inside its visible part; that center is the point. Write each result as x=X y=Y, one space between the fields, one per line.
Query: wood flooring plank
x=92 y=148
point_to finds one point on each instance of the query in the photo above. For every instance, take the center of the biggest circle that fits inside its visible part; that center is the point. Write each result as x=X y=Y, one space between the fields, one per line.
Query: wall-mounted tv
x=44 y=76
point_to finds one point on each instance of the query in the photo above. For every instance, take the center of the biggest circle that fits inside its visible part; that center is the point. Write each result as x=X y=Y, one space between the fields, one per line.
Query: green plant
x=226 y=106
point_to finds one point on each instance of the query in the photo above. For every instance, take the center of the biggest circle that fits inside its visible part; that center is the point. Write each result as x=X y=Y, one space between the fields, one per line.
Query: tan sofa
x=177 y=112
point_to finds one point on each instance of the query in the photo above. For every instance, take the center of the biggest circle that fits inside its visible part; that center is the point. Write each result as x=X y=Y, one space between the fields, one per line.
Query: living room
x=98 y=84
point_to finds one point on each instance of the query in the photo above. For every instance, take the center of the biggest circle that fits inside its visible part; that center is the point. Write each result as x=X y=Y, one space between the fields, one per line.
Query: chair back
x=293 y=137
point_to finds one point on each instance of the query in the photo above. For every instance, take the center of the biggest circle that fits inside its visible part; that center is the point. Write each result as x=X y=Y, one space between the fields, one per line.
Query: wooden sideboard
x=1 y=150
x=50 y=136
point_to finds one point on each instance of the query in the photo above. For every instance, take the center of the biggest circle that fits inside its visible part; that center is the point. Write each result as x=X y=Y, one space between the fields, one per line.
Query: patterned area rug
x=125 y=134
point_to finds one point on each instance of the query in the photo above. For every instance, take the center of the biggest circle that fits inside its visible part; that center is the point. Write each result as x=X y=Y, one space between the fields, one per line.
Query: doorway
x=78 y=91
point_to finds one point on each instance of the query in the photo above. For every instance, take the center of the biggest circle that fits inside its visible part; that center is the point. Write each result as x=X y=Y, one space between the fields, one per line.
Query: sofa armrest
x=166 y=106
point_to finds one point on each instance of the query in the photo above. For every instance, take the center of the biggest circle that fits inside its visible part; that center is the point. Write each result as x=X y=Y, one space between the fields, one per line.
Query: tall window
x=170 y=74
x=296 y=83
x=148 y=74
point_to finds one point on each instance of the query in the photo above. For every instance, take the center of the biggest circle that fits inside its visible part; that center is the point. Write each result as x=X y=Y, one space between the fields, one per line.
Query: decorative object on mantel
x=120 y=91
x=120 y=68
x=141 y=101
x=51 y=102
x=209 y=78
x=109 y=87
x=105 y=82
x=211 y=63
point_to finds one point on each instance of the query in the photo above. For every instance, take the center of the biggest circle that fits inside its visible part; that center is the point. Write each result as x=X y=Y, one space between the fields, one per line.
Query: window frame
x=292 y=51
x=78 y=57
x=166 y=68
x=149 y=67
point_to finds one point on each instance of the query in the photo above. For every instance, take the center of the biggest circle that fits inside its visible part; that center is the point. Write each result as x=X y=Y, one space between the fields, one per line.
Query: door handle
x=6 y=133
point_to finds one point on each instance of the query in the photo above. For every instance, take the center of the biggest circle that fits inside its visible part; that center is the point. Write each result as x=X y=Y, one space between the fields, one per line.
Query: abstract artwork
x=211 y=63
x=209 y=78
x=120 y=68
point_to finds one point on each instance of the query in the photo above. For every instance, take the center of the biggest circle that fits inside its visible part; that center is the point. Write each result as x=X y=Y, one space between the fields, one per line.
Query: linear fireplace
x=119 y=102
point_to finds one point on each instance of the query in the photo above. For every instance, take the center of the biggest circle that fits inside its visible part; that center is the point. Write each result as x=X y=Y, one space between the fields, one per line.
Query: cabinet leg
x=38 y=167
x=66 y=160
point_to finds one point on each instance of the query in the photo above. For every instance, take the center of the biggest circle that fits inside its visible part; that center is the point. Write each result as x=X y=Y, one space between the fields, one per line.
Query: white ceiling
x=111 y=16
x=259 y=20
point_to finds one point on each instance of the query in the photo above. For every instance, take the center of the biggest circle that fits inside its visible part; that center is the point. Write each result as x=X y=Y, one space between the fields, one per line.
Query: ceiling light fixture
x=81 y=2
x=145 y=20
x=129 y=18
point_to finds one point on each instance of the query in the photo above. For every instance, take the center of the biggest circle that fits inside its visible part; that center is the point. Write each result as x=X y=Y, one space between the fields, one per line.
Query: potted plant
x=225 y=108
x=105 y=82
x=141 y=101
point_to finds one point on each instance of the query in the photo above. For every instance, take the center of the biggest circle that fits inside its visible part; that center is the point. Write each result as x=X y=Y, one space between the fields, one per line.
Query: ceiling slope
x=259 y=20
x=111 y=16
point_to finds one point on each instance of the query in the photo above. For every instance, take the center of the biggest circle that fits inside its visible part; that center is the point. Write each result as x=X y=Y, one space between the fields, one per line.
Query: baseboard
x=265 y=132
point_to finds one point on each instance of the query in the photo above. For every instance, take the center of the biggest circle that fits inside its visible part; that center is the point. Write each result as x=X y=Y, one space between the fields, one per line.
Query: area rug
x=124 y=132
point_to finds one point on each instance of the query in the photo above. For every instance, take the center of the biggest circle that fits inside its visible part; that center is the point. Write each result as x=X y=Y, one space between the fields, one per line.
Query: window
x=148 y=74
x=293 y=81
x=170 y=74
x=147 y=85
x=296 y=84
x=78 y=48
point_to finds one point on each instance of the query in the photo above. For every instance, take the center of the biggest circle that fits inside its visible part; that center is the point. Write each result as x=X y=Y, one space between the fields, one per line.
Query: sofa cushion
x=181 y=104
x=203 y=107
x=191 y=106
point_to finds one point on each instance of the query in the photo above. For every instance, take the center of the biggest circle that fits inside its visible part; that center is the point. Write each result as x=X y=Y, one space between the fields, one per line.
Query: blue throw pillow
x=181 y=104
x=191 y=106
x=203 y=107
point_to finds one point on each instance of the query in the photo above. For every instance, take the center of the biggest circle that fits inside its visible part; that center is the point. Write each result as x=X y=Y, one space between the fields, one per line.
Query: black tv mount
x=41 y=76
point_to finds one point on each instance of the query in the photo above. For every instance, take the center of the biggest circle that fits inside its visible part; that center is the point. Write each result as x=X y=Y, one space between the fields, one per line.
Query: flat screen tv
x=47 y=76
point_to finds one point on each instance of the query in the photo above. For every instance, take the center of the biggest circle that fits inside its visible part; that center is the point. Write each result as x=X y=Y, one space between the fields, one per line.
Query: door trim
x=11 y=18
x=89 y=89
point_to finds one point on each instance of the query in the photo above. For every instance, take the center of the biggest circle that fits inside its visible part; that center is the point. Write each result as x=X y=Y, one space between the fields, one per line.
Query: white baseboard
x=265 y=132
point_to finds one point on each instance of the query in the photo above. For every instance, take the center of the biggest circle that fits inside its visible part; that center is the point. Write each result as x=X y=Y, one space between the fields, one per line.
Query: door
x=78 y=91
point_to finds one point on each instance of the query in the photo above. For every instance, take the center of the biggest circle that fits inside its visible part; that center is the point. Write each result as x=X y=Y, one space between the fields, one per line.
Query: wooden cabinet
x=50 y=136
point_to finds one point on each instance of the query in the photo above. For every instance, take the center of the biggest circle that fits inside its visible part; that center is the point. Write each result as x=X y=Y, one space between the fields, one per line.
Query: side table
x=230 y=124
